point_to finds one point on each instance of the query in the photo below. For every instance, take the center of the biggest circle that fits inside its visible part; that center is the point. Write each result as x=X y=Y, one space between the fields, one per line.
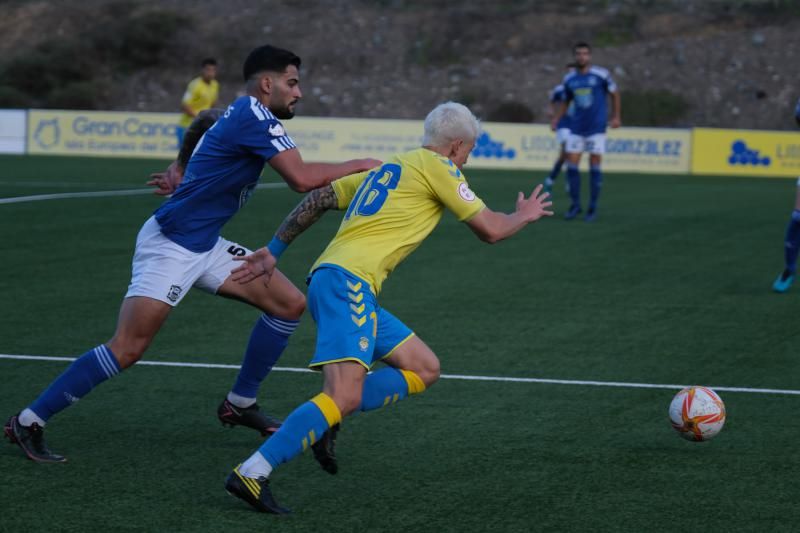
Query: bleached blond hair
x=450 y=122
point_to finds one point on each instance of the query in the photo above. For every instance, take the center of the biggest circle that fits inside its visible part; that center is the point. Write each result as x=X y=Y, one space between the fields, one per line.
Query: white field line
x=44 y=184
x=586 y=383
x=102 y=194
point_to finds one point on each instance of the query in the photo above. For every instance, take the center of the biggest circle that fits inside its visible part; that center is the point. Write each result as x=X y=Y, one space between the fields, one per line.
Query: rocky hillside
x=678 y=62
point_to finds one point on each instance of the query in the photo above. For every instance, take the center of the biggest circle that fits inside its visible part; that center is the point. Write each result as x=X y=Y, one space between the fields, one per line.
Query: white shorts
x=165 y=271
x=594 y=144
x=562 y=134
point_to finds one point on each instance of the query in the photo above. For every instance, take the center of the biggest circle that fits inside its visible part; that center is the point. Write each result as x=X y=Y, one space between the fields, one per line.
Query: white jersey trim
x=283 y=143
x=261 y=112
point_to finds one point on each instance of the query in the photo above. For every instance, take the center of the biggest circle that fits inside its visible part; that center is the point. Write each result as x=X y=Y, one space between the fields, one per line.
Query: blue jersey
x=222 y=173
x=588 y=93
x=558 y=95
x=797 y=111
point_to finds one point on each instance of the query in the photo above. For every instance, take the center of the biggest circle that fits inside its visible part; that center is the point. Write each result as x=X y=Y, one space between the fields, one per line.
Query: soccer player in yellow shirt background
x=201 y=94
x=390 y=211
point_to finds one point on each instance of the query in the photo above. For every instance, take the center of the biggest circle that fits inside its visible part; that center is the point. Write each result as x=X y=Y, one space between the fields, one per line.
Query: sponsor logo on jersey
x=465 y=192
x=276 y=130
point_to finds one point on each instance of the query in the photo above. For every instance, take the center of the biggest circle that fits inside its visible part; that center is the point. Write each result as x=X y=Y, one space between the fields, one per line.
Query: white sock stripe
x=101 y=359
x=112 y=364
x=272 y=325
x=283 y=321
x=103 y=364
x=279 y=325
x=280 y=330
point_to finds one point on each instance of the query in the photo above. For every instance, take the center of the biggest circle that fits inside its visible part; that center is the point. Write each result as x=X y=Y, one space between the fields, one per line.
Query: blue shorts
x=351 y=326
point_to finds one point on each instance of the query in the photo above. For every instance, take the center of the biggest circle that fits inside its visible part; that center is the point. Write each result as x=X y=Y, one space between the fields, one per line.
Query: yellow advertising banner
x=500 y=145
x=512 y=146
x=339 y=139
x=99 y=133
x=745 y=152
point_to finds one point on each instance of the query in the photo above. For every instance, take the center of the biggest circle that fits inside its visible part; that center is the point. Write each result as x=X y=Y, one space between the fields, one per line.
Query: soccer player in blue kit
x=389 y=212
x=557 y=96
x=180 y=247
x=587 y=88
x=791 y=242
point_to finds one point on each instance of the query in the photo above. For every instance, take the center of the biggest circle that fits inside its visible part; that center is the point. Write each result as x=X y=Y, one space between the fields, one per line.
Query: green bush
x=653 y=108
x=511 y=112
x=63 y=72
x=47 y=67
x=621 y=31
x=11 y=97
x=77 y=95
x=766 y=8
x=131 y=42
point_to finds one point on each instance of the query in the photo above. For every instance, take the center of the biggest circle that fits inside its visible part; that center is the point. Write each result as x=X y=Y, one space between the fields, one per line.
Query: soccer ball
x=697 y=413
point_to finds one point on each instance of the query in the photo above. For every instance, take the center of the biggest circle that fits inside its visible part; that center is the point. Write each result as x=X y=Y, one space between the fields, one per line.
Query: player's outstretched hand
x=166 y=182
x=259 y=263
x=535 y=206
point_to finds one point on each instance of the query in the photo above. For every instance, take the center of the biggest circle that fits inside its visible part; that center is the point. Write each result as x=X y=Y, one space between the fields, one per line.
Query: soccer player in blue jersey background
x=587 y=88
x=390 y=211
x=180 y=247
x=557 y=96
x=791 y=242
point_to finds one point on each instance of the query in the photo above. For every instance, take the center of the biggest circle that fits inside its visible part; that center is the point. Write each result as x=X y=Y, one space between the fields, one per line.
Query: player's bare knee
x=290 y=307
x=430 y=372
x=427 y=365
x=435 y=373
x=296 y=306
x=347 y=401
x=127 y=353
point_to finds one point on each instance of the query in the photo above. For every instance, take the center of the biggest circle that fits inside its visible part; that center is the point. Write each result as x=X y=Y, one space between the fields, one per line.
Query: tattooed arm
x=306 y=213
x=337 y=195
x=334 y=196
x=262 y=261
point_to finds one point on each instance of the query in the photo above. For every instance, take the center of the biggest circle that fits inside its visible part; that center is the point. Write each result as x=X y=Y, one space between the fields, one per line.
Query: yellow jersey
x=199 y=96
x=392 y=209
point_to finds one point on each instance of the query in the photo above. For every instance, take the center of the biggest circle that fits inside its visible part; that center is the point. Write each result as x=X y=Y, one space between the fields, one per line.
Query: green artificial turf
x=671 y=285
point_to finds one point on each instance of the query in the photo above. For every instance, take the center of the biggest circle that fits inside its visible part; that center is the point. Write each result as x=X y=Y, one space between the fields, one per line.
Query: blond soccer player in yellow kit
x=390 y=210
x=201 y=94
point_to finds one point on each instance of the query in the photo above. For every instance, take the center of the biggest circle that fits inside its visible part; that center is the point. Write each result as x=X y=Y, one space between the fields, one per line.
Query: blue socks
x=302 y=428
x=309 y=422
x=596 y=181
x=84 y=374
x=791 y=245
x=306 y=424
x=556 y=170
x=574 y=179
x=387 y=386
x=269 y=338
